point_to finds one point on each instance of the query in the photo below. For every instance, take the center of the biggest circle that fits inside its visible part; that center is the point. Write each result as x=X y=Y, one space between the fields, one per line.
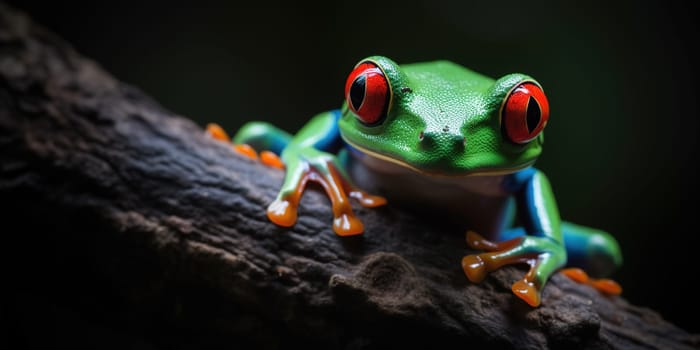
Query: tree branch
x=109 y=197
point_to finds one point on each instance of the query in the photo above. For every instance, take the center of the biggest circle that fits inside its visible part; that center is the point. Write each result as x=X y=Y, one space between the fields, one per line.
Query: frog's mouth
x=359 y=150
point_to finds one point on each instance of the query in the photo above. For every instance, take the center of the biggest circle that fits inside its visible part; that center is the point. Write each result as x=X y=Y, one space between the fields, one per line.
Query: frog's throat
x=482 y=172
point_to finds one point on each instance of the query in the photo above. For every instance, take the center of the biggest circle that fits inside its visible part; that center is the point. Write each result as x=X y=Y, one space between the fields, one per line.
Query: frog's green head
x=443 y=119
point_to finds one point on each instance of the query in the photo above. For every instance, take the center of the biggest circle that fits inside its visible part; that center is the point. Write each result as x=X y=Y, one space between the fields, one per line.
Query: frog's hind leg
x=265 y=137
x=591 y=252
x=256 y=136
x=262 y=136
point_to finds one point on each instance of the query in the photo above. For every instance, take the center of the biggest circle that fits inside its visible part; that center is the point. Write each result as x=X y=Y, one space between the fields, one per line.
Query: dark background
x=621 y=145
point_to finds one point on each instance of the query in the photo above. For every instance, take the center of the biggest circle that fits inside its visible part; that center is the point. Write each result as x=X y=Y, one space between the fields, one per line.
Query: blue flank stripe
x=330 y=140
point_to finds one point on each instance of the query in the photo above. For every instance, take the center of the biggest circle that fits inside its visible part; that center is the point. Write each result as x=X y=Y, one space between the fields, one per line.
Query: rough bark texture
x=122 y=215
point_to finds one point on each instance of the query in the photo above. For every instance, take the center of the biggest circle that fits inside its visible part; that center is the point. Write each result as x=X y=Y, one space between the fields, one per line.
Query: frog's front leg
x=306 y=157
x=543 y=255
x=542 y=248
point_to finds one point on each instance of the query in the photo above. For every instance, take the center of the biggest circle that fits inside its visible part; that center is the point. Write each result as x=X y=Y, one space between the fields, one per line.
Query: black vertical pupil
x=357 y=91
x=533 y=114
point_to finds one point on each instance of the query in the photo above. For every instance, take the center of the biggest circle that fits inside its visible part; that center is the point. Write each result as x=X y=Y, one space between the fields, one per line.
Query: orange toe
x=367 y=200
x=217 y=132
x=347 y=225
x=526 y=291
x=603 y=285
x=270 y=159
x=576 y=274
x=246 y=150
x=476 y=241
x=282 y=212
x=474 y=267
x=607 y=286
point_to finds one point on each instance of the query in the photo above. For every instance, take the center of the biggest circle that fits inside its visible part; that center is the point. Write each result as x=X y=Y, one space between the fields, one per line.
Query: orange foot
x=266 y=157
x=544 y=256
x=604 y=285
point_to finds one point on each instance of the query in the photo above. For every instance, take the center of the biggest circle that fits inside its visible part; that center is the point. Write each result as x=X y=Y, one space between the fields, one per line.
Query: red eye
x=525 y=113
x=367 y=93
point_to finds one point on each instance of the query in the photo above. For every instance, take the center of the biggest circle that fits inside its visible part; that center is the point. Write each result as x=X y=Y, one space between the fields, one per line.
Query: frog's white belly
x=479 y=201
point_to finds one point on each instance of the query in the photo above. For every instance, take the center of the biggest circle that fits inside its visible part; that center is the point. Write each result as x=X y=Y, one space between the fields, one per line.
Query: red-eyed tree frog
x=439 y=134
